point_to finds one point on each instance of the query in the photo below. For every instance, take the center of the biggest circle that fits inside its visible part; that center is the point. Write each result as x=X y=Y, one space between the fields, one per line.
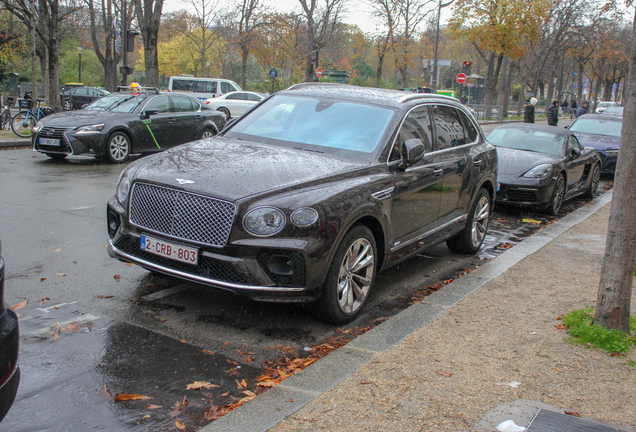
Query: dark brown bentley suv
x=310 y=194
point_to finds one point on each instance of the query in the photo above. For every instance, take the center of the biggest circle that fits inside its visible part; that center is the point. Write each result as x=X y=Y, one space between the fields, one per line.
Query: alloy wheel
x=355 y=276
x=119 y=148
x=480 y=221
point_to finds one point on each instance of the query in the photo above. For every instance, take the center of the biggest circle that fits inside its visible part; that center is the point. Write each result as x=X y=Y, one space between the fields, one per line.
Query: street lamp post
x=80 y=50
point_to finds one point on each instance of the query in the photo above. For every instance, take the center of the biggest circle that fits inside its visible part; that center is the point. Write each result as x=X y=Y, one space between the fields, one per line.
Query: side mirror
x=574 y=153
x=412 y=151
x=147 y=113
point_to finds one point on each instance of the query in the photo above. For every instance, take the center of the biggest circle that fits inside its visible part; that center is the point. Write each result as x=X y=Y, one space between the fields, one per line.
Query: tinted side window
x=253 y=97
x=181 y=84
x=417 y=125
x=82 y=91
x=448 y=127
x=469 y=127
x=162 y=103
x=226 y=87
x=234 y=97
x=182 y=104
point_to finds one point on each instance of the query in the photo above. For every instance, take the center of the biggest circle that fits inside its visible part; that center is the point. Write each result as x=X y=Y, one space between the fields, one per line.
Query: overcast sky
x=359 y=12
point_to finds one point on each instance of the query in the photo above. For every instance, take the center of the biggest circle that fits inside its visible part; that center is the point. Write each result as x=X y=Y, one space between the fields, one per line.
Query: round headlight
x=304 y=216
x=264 y=221
x=123 y=188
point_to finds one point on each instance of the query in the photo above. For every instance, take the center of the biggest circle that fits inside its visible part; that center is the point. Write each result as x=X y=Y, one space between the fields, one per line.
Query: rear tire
x=471 y=238
x=208 y=133
x=350 y=279
x=68 y=105
x=226 y=112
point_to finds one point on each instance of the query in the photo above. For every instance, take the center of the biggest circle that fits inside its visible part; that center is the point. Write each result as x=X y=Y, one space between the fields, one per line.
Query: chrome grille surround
x=181 y=215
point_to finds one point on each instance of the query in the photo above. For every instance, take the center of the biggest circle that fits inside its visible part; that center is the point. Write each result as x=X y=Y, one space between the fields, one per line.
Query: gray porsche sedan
x=542 y=166
x=310 y=194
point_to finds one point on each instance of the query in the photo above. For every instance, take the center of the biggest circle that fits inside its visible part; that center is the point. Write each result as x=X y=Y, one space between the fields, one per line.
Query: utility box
x=340 y=77
x=14 y=84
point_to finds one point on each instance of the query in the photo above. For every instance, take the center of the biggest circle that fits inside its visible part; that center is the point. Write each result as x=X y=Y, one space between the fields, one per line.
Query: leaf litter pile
x=275 y=373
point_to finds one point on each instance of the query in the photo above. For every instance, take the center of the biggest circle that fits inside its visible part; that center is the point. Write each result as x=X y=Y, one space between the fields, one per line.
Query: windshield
x=116 y=103
x=598 y=126
x=530 y=140
x=315 y=124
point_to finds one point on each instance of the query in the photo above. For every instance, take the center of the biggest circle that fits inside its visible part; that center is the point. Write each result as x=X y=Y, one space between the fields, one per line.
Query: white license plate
x=170 y=250
x=49 y=141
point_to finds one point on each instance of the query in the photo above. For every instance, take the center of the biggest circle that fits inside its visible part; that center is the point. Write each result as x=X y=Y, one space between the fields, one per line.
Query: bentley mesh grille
x=181 y=214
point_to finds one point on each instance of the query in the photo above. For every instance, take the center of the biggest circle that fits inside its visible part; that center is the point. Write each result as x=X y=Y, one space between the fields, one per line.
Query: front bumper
x=608 y=161
x=70 y=142
x=250 y=268
x=524 y=194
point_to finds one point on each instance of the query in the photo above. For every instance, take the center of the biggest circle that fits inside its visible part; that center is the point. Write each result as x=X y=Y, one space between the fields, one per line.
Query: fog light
x=281 y=265
x=113 y=222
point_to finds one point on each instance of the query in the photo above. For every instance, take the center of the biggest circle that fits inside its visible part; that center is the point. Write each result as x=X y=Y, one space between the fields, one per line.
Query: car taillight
x=207 y=102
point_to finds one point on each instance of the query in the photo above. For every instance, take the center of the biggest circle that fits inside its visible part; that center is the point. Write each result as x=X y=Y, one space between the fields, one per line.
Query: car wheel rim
x=207 y=134
x=480 y=221
x=356 y=276
x=226 y=112
x=558 y=194
x=119 y=147
x=596 y=178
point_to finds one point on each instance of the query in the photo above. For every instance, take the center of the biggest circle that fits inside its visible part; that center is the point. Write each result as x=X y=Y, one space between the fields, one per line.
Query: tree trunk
x=615 y=288
x=244 y=54
x=148 y=18
x=506 y=86
x=378 y=71
x=54 y=70
x=489 y=91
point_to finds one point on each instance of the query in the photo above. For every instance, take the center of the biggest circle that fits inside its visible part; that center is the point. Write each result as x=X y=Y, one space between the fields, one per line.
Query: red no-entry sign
x=319 y=72
x=461 y=78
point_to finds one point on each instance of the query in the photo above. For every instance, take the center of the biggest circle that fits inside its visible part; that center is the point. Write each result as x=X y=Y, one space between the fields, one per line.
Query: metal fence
x=487 y=112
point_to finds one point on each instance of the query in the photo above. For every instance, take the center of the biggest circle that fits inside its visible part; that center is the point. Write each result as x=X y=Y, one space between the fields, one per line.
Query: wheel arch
x=126 y=132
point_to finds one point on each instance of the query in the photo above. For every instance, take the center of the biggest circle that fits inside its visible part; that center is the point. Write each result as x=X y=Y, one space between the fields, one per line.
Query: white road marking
x=52 y=329
x=57 y=306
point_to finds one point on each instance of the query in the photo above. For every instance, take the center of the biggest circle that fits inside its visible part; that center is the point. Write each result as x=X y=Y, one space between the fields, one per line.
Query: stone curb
x=273 y=406
x=15 y=143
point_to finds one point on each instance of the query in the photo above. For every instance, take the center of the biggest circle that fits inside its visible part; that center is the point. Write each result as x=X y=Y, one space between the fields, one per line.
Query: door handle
x=478 y=162
x=171 y=120
x=438 y=172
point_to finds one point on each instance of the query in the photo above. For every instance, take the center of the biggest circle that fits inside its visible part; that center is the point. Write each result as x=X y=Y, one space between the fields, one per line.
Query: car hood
x=599 y=142
x=514 y=162
x=232 y=169
x=78 y=118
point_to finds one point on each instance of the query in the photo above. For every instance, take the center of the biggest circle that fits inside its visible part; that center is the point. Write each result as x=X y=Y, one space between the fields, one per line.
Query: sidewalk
x=443 y=364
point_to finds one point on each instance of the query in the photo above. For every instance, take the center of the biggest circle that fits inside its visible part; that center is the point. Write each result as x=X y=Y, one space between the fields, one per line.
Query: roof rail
x=409 y=97
x=309 y=84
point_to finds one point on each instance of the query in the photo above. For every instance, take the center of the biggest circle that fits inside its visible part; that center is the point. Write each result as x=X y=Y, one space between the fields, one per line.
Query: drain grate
x=549 y=421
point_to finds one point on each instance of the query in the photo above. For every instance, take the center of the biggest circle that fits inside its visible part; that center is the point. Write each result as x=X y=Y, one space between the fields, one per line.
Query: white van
x=201 y=88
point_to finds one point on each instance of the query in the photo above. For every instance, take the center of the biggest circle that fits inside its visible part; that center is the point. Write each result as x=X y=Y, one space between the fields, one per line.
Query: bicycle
x=23 y=122
x=5 y=113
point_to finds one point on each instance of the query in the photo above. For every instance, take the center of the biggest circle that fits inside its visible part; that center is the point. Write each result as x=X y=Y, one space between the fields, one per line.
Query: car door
x=188 y=124
x=81 y=97
x=575 y=165
x=158 y=131
x=417 y=190
x=455 y=138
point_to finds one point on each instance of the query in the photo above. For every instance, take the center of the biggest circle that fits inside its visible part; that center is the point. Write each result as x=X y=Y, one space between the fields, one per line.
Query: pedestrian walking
x=565 y=106
x=528 y=116
x=582 y=109
x=573 y=107
x=553 y=113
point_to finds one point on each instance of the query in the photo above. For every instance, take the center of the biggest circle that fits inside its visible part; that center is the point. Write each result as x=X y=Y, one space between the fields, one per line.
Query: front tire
x=471 y=238
x=208 y=133
x=350 y=279
x=23 y=125
x=557 y=196
x=596 y=178
x=118 y=148
x=68 y=105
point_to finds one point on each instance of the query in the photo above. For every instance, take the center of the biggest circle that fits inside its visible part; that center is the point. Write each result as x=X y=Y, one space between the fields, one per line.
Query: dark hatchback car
x=542 y=166
x=77 y=97
x=9 y=344
x=306 y=197
x=126 y=122
x=603 y=132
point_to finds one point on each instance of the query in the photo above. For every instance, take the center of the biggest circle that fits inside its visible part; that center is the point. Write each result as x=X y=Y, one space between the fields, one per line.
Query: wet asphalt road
x=98 y=328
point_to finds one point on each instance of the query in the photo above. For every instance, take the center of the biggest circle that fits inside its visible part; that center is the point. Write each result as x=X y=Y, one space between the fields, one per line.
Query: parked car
x=602 y=106
x=603 y=132
x=542 y=166
x=9 y=346
x=126 y=122
x=310 y=194
x=76 y=98
x=614 y=110
x=201 y=88
x=236 y=103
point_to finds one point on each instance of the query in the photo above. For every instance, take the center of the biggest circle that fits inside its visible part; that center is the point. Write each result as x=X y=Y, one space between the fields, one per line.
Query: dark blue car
x=603 y=132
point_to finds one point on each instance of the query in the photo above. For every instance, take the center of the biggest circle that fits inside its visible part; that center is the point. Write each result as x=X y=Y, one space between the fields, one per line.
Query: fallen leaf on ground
x=107 y=394
x=147 y=416
x=185 y=401
x=444 y=373
x=150 y=406
x=179 y=425
x=213 y=413
x=117 y=277
x=61 y=274
x=57 y=250
x=289 y=400
x=20 y=305
x=562 y=327
x=42 y=279
x=130 y=397
x=572 y=413
x=44 y=300
x=104 y=296
x=208 y=352
x=532 y=221
x=129 y=264
x=198 y=385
